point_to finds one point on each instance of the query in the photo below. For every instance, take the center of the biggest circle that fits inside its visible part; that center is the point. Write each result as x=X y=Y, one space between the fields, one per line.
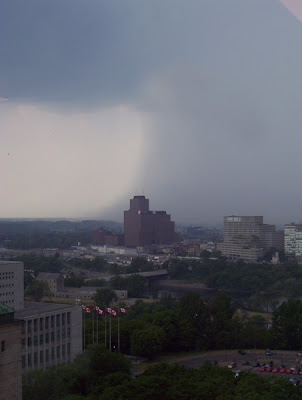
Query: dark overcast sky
x=196 y=104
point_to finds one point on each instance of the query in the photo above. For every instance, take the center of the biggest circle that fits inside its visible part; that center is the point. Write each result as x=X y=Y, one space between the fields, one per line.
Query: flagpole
x=110 y=332
x=105 y=332
x=84 y=330
x=93 y=326
x=97 y=326
x=118 y=329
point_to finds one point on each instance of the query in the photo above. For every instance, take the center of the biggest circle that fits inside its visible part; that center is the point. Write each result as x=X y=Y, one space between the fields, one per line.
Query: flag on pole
x=96 y=308
x=100 y=311
x=114 y=313
x=108 y=310
x=122 y=310
x=83 y=307
x=87 y=309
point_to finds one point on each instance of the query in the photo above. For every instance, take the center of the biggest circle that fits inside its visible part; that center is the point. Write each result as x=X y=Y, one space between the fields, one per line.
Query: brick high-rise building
x=143 y=227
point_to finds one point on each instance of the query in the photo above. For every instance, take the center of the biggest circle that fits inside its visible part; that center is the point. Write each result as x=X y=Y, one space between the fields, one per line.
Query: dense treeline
x=188 y=324
x=102 y=375
x=284 y=279
x=45 y=240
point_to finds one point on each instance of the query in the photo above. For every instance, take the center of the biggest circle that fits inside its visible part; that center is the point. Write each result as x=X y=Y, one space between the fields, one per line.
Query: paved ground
x=223 y=358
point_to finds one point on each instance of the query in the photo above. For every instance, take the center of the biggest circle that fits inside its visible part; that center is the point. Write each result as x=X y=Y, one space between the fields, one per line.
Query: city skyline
x=195 y=105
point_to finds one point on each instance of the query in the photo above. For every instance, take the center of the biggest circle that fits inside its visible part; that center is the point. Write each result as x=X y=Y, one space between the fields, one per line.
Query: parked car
x=276 y=369
x=246 y=363
x=290 y=370
x=282 y=370
x=255 y=365
x=299 y=353
x=232 y=364
x=268 y=352
x=296 y=371
x=214 y=362
x=262 y=369
x=268 y=369
x=237 y=373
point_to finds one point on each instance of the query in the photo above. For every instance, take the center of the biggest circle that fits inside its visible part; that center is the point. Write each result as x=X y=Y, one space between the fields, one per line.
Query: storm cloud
x=196 y=104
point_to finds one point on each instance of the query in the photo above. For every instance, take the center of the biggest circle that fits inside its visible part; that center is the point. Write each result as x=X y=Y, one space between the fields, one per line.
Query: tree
x=37 y=290
x=287 y=325
x=148 y=341
x=104 y=296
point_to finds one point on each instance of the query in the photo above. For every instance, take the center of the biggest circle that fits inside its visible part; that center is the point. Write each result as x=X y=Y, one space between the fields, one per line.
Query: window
x=46 y=355
x=23 y=361
x=35 y=325
x=68 y=318
x=63 y=333
x=68 y=332
x=46 y=322
x=41 y=324
x=41 y=339
x=29 y=341
x=58 y=351
x=2 y=346
x=35 y=340
x=63 y=350
x=52 y=336
x=58 y=320
x=29 y=360
x=52 y=321
x=46 y=337
x=52 y=353
x=35 y=359
x=41 y=356
x=23 y=343
x=68 y=349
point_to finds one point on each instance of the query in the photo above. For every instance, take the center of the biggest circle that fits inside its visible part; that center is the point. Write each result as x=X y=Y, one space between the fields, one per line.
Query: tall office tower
x=246 y=237
x=143 y=227
x=293 y=240
x=12 y=284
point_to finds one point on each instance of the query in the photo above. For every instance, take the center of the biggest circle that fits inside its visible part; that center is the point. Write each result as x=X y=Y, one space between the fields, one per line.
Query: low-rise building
x=10 y=355
x=51 y=334
x=55 y=281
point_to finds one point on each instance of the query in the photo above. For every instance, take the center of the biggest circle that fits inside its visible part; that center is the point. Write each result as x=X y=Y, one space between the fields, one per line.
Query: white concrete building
x=12 y=284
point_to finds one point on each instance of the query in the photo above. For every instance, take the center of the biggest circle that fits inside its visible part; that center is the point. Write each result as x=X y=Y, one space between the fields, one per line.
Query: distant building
x=247 y=238
x=12 y=284
x=10 y=355
x=101 y=236
x=55 y=281
x=143 y=227
x=293 y=240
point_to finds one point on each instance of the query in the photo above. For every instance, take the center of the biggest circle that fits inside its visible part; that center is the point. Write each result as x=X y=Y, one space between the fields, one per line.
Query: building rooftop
x=32 y=308
x=4 y=262
x=5 y=309
x=48 y=275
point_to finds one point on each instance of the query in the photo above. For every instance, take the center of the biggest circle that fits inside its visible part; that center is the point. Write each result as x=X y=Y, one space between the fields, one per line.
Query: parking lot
x=289 y=358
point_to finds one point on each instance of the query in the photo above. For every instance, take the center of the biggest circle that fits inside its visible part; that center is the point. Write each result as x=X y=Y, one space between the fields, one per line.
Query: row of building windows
x=46 y=356
x=50 y=322
x=48 y=337
x=7 y=285
x=6 y=275
x=7 y=294
x=7 y=301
